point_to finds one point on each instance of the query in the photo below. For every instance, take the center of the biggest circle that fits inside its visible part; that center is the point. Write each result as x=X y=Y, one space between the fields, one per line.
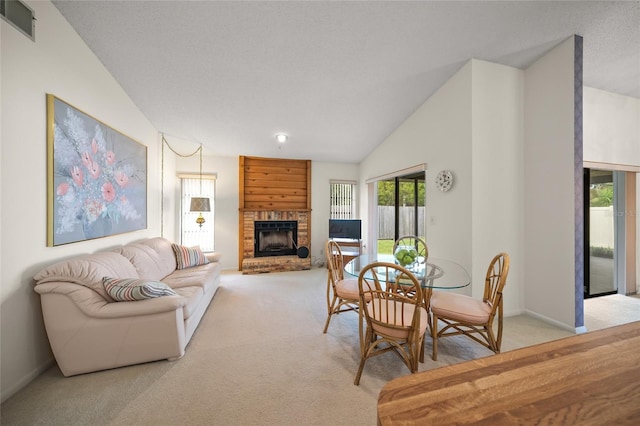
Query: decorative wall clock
x=444 y=180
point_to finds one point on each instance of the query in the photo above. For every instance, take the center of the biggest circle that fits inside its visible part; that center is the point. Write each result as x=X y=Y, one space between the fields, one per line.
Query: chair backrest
x=334 y=261
x=495 y=280
x=416 y=242
x=390 y=296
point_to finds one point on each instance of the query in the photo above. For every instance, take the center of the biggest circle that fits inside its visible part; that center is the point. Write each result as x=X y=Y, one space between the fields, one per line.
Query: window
x=343 y=200
x=191 y=233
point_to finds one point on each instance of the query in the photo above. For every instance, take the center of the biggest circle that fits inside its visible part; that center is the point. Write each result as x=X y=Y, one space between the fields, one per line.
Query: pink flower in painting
x=93 y=209
x=122 y=178
x=108 y=192
x=94 y=169
x=77 y=175
x=62 y=188
x=111 y=157
x=87 y=160
x=94 y=146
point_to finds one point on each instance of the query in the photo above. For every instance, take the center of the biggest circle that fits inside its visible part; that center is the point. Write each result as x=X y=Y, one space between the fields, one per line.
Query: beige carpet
x=258 y=358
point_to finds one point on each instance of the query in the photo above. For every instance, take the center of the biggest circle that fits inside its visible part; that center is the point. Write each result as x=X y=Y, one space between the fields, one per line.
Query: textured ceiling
x=338 y=77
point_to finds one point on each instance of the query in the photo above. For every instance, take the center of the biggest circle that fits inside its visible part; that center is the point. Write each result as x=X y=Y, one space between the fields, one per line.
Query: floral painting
x=97 y=177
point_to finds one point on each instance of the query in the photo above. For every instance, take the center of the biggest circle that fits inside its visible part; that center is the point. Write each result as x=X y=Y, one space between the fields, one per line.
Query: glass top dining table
x=435 y=273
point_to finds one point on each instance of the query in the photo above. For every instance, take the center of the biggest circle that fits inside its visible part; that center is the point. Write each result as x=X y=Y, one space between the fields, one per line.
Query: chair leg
x=326 y=324
x=499 y=340
x=331 y=310
x=491 y=340
x=357 y=380
x=365 y=346
x=434 y=337
x=419 y=355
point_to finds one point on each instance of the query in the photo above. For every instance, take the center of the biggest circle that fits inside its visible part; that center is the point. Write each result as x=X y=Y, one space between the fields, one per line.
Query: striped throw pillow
x=187 y=257
x=131 y=289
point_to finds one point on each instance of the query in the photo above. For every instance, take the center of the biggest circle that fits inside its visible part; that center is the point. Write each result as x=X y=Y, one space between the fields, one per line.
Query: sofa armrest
x=213 y=256
x=95 y=306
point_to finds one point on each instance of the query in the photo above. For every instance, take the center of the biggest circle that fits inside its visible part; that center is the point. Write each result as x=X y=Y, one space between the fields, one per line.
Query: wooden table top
x=591 y=378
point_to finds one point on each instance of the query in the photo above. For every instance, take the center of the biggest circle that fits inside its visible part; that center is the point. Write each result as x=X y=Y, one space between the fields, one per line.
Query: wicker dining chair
x=465 y=315
x=342 y=294
x=395 y=320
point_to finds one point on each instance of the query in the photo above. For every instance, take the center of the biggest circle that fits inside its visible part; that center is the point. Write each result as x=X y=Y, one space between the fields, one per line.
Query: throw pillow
x=187 y=257
x=131 y=289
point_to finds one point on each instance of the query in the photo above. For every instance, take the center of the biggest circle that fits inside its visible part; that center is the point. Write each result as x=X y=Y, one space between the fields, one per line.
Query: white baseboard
x=8 y=393
x=556 y=323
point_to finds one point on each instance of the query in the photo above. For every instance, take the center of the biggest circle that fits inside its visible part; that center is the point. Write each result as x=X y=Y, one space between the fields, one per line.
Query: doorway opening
x=610 y=247
x=400 y=209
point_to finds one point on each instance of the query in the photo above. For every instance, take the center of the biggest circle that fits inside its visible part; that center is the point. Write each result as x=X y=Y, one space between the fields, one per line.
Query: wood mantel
x=273 y=189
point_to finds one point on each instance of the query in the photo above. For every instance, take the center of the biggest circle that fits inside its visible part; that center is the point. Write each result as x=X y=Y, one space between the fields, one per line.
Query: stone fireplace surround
x=252 y=264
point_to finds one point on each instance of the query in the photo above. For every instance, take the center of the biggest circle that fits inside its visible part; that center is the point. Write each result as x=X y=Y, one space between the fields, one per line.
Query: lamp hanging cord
x=200 y=169
x=183 y=155
x=200 y=220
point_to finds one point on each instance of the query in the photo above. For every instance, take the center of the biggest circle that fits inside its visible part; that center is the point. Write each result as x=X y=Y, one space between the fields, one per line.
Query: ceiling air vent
x=19 y=15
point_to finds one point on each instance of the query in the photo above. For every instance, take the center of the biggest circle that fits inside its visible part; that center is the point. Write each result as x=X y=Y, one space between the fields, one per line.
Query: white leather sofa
x=89 y=331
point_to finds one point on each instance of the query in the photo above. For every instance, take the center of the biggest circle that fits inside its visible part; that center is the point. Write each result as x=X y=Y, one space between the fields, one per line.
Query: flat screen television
x=345 y=228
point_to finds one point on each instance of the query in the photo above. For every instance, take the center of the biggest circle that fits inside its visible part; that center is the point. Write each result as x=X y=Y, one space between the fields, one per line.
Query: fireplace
x=275 y=237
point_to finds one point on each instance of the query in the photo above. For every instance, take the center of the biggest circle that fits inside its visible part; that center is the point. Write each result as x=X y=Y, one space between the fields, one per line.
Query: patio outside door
x=600 y=233
x=401 y=202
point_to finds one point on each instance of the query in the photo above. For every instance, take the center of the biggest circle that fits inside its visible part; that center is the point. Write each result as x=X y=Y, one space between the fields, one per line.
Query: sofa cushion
x=88 y=270
x=162 y=246
x=145 y=259
x=131 y=289
x=188 y=257
x=201 y=276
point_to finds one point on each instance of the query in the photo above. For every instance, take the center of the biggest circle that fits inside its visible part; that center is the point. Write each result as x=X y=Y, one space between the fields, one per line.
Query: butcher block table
x=591 y=378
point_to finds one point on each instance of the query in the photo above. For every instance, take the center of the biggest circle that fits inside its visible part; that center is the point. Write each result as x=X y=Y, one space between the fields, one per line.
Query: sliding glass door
x=600 y=233
x=401 y=202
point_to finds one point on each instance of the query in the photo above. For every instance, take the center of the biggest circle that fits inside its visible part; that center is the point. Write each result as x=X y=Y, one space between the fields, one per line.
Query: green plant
x=601 y=195
x=606 y=252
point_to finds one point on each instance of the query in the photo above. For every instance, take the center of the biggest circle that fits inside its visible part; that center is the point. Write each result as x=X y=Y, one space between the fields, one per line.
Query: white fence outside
x=386 y=221
x=601 y=230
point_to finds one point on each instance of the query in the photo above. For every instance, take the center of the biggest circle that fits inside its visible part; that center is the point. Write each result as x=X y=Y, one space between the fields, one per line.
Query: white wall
x=611 y=127
x=227 y=203
x=321 y=175
x=438 y=133
x=226 y=200
x=549 y=238
x=61 y=64
x=498 y=176
x=473 y=126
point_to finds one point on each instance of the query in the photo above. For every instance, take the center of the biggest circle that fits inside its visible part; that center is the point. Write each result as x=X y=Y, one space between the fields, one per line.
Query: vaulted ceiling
x=338 y=77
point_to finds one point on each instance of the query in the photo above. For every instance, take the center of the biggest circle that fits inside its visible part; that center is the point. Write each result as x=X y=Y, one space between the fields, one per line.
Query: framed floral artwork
x=96 y=177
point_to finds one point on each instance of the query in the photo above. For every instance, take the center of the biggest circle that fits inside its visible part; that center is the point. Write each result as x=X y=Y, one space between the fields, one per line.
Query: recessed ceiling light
x=282 y=137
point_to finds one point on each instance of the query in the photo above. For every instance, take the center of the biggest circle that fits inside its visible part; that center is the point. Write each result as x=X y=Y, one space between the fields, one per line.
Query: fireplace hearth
x=275 y=238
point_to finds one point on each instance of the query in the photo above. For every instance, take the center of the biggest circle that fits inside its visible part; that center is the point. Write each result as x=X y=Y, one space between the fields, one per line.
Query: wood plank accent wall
x=275 y=184
x=273 y=189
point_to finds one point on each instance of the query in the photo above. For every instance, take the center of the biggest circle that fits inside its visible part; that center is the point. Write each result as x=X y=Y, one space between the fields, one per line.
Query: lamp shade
x=200 y=204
